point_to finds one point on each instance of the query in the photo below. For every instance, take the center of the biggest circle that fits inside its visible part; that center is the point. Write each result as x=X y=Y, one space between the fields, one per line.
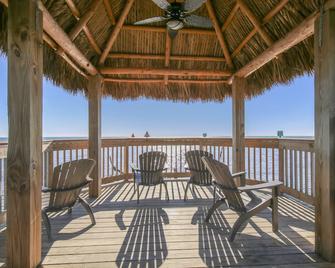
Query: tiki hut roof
x=268 y=42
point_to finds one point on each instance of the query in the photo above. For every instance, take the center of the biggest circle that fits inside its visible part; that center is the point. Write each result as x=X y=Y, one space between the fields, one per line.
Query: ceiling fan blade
x=198 y=21
x=150 y=20
x=192 y=5
x=163 y=4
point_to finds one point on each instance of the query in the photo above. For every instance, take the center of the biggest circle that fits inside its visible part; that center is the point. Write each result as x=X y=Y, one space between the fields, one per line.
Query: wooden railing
x=266 y=159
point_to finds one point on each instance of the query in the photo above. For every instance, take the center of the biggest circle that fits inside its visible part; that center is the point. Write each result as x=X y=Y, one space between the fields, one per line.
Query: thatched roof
x=243 y=37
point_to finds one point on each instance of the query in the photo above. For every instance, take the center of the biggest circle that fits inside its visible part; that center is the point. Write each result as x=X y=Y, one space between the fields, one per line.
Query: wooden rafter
x=82 y=22
x=298 y=34
x=169 y=72
x=109 y=12
x=168 y=43
x=75 y=12
x=159 y=29
x=266 y=19
x=62 y=54
x=255 y=22
x=58 y=40
x=160 y=81
x=219 y=33
x=52 y=28
x=116 y=31
x=230 y=17
x=162 y=57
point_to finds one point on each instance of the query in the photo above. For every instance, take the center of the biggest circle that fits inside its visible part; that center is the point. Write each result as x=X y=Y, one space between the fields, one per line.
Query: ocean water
x=261 y=164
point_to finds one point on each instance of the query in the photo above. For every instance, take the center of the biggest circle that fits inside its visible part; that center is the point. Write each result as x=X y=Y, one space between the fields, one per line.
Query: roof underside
x=136 y=64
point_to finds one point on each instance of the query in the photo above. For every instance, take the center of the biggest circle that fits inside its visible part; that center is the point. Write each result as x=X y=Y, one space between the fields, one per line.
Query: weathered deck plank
x=173 y=234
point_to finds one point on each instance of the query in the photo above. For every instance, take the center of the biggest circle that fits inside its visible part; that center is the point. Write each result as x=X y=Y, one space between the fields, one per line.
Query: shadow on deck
x=156 y=232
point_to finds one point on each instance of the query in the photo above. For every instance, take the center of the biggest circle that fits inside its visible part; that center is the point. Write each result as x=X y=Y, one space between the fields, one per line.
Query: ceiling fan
x=177 y=15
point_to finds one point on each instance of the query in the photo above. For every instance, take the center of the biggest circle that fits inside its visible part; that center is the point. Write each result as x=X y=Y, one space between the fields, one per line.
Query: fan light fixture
x=178 y=14
x=175 y=24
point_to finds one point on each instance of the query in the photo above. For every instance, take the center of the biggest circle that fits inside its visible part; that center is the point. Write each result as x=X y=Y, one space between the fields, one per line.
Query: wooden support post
x=95 y=85
x=126 y=160
x=24 y=156
x=238 y=87
x=50 y=166
x=324 y=56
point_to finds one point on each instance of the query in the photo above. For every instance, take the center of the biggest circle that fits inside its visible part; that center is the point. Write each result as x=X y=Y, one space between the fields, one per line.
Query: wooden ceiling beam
x=266 y=19
x=168 y=43
x=274 y=11
x=159 y=29
x=161 y=81
x=82 y=22
x=230 y=17
x=116 y=30
x=246 y=10
x=162 y=57
x=52 y=28
x=62 y=54
x=109 y=12
x=298 y=34
x=219 y=34
x=57 y=39
x=75 y=12
x=165 y=71
x=91 y=40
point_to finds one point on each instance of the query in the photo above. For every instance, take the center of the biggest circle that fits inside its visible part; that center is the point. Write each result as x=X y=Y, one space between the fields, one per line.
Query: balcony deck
x=173 y=234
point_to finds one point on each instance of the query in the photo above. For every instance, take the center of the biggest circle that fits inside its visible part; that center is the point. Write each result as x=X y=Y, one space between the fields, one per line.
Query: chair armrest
x=260 y=186
x=46 y=190
x=238 y=174
x=134 y=168
x=241 y=176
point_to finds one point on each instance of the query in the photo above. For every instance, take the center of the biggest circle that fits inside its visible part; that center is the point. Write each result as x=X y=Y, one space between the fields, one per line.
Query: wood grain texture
x=298 y=34
x=94 y=142
x=52 y=28
x=173 y=234
x=24 y=156
x=116 y=31
x=239 y=85
x=157 y=71
x=219 y=34
x=325 y=135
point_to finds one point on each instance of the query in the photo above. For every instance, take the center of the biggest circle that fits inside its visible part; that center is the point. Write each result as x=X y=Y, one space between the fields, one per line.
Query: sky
x=285 y=107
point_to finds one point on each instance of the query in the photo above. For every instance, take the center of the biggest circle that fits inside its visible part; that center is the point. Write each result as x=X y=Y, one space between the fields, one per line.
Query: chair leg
x=138 y=194
x=237 y=225
x=166 y=190
x=187 y=186
x=214 y=194
x=216 y=205
x=274 y=206
x=88 y=209
x=47 y=224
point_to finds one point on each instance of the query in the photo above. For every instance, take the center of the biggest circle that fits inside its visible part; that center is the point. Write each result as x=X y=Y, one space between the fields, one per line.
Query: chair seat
x=196 y=182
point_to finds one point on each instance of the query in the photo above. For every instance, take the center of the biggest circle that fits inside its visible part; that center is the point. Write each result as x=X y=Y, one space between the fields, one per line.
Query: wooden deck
x=173 y=234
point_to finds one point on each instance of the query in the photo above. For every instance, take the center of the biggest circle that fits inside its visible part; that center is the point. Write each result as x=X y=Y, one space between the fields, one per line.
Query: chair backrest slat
x=223 y=178
x=199 y=172
x=151 y=166
x=68 y=175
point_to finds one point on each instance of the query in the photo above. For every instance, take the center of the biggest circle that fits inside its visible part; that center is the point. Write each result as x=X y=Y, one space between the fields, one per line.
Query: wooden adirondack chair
x=67 y=182
x=199 y=174
x=232 y=195
x=150 y=172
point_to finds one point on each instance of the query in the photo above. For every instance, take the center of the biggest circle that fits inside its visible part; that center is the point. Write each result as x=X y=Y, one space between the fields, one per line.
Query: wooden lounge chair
x=199 y=174
x=67 y=181
x=232 y=194
x=150 y=172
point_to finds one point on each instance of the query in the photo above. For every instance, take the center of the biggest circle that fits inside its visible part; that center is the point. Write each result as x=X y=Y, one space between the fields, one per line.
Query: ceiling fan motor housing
x=176 y=11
